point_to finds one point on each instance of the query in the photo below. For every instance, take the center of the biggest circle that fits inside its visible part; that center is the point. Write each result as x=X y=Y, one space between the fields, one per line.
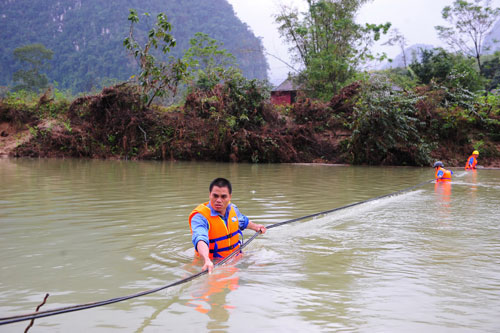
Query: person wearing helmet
x=442 y=175
x=472 y=161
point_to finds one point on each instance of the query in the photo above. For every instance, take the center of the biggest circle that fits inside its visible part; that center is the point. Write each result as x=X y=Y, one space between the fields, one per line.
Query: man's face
x=219 y=199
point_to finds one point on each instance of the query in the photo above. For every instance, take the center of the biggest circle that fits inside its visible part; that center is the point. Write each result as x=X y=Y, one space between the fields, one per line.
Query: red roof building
x=284 y=94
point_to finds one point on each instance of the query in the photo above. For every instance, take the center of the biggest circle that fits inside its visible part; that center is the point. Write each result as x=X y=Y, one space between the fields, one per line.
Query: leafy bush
x=238 y=101
x=385 y=128
x=246 y=100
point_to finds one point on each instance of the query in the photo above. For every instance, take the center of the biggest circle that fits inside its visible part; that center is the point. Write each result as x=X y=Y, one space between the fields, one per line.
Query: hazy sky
x=415 y=19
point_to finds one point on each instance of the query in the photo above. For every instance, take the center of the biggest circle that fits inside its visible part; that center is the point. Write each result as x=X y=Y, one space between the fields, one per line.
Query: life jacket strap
x=215 y=252
x=225 y=237
x=227 y=248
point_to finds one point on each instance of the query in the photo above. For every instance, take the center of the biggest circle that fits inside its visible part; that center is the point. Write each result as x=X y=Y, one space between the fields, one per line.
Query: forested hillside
x=87 y=36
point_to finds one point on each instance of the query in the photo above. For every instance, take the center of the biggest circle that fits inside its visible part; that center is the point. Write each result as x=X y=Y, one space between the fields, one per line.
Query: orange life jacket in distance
x=446 y=175
x=469 y=165
x=223 y=239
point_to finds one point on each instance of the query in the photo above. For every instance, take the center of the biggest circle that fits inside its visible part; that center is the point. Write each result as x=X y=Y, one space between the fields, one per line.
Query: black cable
x=47 y=313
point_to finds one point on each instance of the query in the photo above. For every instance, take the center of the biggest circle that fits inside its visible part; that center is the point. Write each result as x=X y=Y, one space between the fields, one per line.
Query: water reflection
x=472 y=178
x=443 y=197
x=211 y=296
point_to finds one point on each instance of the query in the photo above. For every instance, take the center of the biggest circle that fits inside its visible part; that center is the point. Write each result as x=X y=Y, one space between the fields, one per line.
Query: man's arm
x=204 y=251
x=199 y=225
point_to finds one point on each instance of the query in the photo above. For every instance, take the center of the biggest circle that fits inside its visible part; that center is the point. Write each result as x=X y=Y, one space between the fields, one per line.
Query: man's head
x=475 y=152
x=220 y=194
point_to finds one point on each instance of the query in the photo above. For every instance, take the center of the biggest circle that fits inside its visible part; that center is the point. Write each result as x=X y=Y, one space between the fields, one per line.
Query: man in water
x=442 y=175
x=472 y=161
x=217 y=224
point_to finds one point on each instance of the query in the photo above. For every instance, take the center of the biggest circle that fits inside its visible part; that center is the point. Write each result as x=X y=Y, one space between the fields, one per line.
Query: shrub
x=385 y=128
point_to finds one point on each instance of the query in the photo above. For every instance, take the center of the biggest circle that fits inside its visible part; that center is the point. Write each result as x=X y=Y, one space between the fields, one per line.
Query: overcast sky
x=415 y=19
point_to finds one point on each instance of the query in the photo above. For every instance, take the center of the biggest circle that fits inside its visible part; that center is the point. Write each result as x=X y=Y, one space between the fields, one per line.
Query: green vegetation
x=385 y=127
x=448 y=69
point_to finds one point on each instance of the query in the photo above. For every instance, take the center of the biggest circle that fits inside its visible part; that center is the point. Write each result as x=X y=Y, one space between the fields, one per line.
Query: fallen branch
x=37 y=308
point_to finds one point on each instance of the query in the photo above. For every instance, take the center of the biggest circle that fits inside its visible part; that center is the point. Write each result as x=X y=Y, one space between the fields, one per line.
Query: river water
x=84 y=231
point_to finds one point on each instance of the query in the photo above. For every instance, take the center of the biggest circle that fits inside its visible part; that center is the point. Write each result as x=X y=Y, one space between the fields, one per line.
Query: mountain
x=492 y=39
x=87 y=36
x=412 y=53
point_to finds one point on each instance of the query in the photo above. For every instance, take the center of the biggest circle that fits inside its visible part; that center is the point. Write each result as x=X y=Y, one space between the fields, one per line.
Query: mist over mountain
x=412 y=53
x=491 y=44
x=492 y=40
x=86 y=36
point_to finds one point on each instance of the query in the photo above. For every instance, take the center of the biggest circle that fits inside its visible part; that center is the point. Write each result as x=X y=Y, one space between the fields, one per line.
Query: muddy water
x=83 y=231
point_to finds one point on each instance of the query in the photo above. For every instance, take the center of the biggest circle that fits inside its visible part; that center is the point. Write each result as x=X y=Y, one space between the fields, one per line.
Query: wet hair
x=221 y=182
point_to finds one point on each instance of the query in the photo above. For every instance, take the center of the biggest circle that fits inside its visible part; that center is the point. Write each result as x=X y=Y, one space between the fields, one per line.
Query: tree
x=35 y=57
x=328 y=43
x=398 y=39
x=157 y=79
x=470 y=23
x=208 y=63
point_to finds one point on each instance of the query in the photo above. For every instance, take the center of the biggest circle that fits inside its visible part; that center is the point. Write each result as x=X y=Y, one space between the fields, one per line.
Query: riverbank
x=115 y=125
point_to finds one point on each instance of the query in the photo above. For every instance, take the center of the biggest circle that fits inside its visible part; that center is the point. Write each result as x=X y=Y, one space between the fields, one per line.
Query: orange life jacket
x=469 y=165
x=223 y=239
x=446 y=175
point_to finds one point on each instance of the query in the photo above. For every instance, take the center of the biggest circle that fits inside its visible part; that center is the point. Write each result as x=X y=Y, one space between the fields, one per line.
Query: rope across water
x=47 y=313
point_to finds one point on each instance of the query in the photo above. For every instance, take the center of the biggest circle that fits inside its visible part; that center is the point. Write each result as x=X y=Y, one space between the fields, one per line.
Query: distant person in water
x=472 y=161
x=217 y=224
x=442 y=175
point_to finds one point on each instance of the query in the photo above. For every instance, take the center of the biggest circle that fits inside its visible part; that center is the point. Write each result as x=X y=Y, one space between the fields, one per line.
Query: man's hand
x=209 y=265
x=257 y=227
x=204 y=252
